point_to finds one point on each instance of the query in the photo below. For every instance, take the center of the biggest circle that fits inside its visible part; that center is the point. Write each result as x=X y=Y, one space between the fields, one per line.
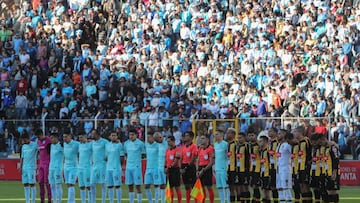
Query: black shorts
x=331 y=184
x=255 y=179
x=304 y=177
x=174 y=177
x=296 y=182
x=232 y=178
x=242 y=178
x=189 y=175
x=272 y=178
x=317 y=182
x=265 y=183
x=206 y=178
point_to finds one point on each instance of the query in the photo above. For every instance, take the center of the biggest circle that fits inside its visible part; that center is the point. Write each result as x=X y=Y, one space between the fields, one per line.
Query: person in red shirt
x=204 y=166
x=21 y=85
x=188 y=160
x=320 y=128
x=172 y=167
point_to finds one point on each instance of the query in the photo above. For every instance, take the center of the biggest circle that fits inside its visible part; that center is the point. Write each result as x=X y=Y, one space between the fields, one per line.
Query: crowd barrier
x=349 y=171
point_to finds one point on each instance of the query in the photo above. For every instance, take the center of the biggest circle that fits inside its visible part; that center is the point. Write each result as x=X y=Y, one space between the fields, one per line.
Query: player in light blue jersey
x=220 y=156
x=27 y=168
x=151 y=173
x=71 y=150
x=99 y=165
x=115 y=158
x=56 y=167
x=161 y=180
x=134 y=149
x=84 y=165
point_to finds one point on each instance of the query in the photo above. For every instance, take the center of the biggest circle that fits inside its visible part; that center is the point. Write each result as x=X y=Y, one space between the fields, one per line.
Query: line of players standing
x=277 y=163
x=280 y=162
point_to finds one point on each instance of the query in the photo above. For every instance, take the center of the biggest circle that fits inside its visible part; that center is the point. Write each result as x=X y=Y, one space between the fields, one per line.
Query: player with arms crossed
x=265 y=167
x=44 y=143
x=134 y=149
x=56 y=167
x=220 y=158
x=99 y=165
x=151 y=173
x=304 y=158
x=255 y=165
x=204 y=166
x=295 y=168
x=114 y=158
x=232 y=176
x=84 y=166
x=272 y=132
x=172 y=169
x=243 y=167
x=161 y=180
x=71 y=150
x=284 y=167
x=188 y=160
x=27 y=168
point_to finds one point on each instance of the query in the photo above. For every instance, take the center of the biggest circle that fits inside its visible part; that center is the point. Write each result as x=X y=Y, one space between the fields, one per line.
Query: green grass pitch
x=13 y=192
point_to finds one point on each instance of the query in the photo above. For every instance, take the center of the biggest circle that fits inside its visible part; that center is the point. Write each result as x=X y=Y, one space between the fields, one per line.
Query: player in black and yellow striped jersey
x=232 y=168
x=272 y=133
x=330 y=167
x=242 y=158
x=295 y=168
x=304 y=163
x=265 y=167
x=254 y=165
x=316 y=172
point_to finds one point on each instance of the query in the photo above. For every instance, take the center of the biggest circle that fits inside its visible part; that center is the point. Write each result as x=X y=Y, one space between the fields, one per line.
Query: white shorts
x=284 y=181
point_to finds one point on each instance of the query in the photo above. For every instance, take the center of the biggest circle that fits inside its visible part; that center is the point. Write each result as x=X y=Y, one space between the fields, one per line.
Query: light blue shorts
x=151 y=176
x=221 y=179
x=28 y=176
x=84 y=177
x=133 y=176
x=161 y=179
x=97 y=175
x=113 y=178
x=70 y=175
x=55 y=176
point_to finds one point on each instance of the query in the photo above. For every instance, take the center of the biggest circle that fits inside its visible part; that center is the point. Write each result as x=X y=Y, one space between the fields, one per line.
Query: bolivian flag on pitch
x=197 y=191
x=168 y=193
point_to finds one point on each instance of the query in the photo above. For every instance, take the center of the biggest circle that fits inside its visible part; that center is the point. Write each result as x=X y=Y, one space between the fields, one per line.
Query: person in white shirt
x=203 y=70
x=24 y=57
x=184 y=32
x=153 y=118
x=284 y=166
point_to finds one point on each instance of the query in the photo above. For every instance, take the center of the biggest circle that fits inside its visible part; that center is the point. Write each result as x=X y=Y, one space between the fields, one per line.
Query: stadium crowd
x=168 y=62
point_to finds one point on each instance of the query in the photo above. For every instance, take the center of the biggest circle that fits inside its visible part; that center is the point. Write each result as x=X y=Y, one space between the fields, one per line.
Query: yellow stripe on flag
x=168 y=193
x=197 y=191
